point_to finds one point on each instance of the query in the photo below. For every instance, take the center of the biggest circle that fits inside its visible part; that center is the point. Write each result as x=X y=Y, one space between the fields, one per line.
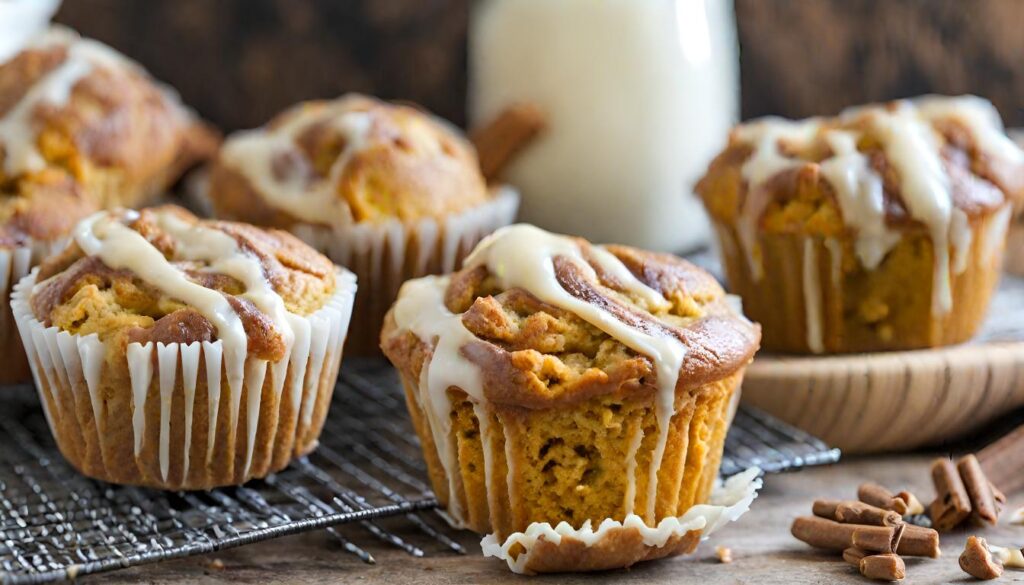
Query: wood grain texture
x=764 y=553
x=809 y=57
x=241 y=61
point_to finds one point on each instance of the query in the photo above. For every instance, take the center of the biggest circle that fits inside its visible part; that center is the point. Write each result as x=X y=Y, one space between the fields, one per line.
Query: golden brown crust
x=410 y=166
x=536 y=356
x=118 y=140
x=620 y=548
x=80 y=294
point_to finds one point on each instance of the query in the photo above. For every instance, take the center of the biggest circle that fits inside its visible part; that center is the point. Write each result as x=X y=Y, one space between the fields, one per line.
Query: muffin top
x=538 y=320
x=163 y=275
x=72 y=112
x=353 y=159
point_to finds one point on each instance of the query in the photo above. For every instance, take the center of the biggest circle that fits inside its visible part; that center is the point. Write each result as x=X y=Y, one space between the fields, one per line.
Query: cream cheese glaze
x=911 y=146
x=522 y=256
x=17 y=131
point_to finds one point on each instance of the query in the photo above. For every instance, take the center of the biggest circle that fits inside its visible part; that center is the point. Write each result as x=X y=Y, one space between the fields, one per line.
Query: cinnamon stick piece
x=976 y=560
x=979 y=490
x=861 y=513
x=831 y=535
x=952 y=505
x=1003 y=460
x=498 y=142
x=878 y=496
x=914 y=505
x=870 y=538
x=853 y=555
x=886 y=567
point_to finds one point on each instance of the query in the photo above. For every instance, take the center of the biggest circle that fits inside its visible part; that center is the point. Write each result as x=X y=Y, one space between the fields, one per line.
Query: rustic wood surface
x=764 y=552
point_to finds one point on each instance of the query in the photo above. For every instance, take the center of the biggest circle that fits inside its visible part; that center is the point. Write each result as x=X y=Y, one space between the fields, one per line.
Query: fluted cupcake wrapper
x=15 y=264
x=385 y=255
x=180 y=416
x=542 y=548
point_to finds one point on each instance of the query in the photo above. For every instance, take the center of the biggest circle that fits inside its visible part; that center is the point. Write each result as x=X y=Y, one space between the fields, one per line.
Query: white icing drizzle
x=522 y=256
x=912 y=148
x=17 y=130
x=634 y=447
x=253 y=154
x=728 y=502
x=812 y=298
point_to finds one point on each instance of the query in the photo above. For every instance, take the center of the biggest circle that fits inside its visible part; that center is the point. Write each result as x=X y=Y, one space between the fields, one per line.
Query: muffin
x=384 y=189
x=554 y=381
x=81 y=128
x=180 y=353
x=880 y=229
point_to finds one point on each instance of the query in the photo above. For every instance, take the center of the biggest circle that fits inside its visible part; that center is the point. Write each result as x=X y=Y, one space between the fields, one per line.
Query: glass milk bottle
x=639 y=94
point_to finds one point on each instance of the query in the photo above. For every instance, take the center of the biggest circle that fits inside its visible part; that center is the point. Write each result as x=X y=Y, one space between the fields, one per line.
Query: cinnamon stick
x=861 y=513
x=885 y=567
x=853 y=555
x=1003 y=460
x=952 y=505
x=828 y=534
x=918 y=541
x=878 y=539
x=878 y=496
x=500 y=141
x=979 y=490
x=976 y=560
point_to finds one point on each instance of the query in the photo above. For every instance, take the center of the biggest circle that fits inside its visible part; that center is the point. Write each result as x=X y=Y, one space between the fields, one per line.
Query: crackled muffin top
x=163 y=275
x=77 y=118
x=536 y=320
x=353 y=159
x=932 y=163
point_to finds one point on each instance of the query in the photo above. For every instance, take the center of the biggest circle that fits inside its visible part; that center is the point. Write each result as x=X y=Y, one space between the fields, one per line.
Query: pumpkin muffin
x=880 y=229
x=384 y=189
x=554 y=381
x=81 y=128
x=179 y=353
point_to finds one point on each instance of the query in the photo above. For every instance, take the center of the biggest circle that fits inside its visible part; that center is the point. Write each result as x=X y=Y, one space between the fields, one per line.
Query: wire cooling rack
x=56 y=524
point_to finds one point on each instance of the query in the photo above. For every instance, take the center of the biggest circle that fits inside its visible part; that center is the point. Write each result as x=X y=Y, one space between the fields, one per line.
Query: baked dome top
x=163 y=275
x=74 y=113
x=546 y=320
x=352 y=159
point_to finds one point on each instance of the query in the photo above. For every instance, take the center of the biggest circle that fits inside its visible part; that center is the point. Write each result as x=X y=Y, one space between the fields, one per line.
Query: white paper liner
x=67 y=367
x=386 y=242
x=728 y=502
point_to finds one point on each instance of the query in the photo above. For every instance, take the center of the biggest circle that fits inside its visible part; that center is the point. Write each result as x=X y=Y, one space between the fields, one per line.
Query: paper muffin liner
x=15 y=264
x=543 y=549
x=491 y=490
x=175 y=416
x=385 y=255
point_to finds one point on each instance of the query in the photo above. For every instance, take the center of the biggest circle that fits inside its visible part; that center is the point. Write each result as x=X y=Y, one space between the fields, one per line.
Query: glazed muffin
x=554 y=381
x=180 y=353
x=384 y=189
x=81 y=128
x=880 y=229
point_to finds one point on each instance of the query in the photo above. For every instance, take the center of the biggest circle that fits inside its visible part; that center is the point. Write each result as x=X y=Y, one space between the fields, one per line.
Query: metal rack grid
x=56 y=524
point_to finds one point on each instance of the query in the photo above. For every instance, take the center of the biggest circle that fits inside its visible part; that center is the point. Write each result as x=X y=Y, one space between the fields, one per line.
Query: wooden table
x=763 y=549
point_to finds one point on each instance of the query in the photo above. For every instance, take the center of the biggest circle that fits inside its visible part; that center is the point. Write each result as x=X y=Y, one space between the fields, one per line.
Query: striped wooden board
x=897 y=401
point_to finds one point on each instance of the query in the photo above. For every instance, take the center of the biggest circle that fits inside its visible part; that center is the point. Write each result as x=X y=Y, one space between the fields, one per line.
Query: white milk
x=640 y=96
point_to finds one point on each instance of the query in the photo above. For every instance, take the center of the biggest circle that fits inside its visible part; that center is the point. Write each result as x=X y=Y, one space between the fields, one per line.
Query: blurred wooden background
x=240 y=61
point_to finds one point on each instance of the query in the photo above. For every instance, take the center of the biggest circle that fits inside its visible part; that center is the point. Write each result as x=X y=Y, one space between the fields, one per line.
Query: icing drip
x=812 y=298
x=522 y=256
x=859 y=192
x=981 y=119
x=17 y=131
x=253 y=153
x=729 y=501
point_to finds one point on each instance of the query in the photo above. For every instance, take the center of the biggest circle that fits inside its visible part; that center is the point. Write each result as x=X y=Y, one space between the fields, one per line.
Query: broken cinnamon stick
x=831 y=535
x=885 y=567
x=979 y=490
x=918 y=541
x=976 y=560
x=853 y=555
x=498 y=142
x=861 y=513
x=878 y=539
x=914 y=506
x=952 y=505
x=878 y=496
x=1003 y=460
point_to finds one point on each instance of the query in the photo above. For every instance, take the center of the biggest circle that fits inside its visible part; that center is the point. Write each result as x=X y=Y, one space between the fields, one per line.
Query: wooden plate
x=864 y=403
